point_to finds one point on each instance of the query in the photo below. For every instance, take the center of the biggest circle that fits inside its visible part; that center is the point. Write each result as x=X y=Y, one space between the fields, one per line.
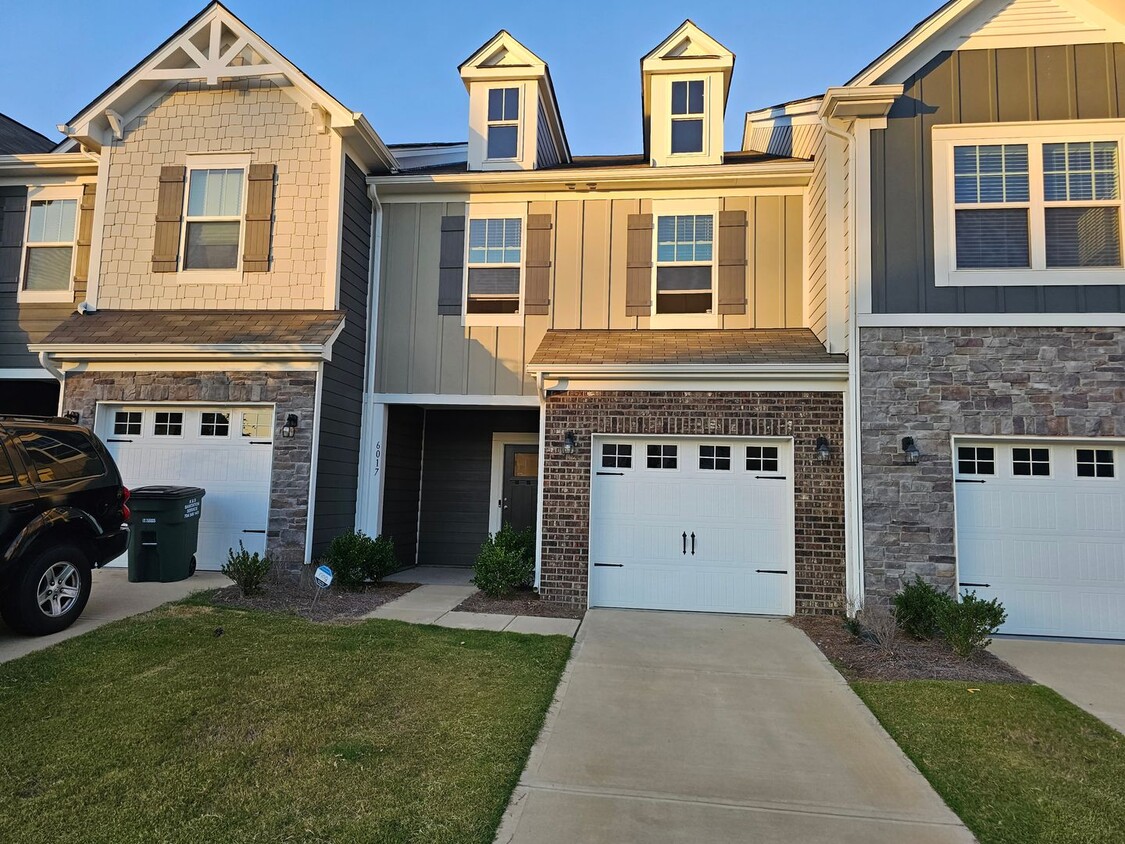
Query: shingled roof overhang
x=685 y=355
x=193 y=335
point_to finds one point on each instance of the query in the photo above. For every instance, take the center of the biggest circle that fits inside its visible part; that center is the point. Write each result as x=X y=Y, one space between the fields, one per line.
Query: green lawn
x=157 y=730
x=1017 y=762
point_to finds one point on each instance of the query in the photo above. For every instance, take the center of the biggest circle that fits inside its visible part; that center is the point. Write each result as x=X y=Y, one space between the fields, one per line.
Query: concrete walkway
x=675 y=727
x=113 y=597
x=1088 y=674
x=444 y=587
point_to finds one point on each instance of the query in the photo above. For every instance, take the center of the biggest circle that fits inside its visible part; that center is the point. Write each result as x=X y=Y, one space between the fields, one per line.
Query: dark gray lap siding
x=1085 y=81
x=341 y=402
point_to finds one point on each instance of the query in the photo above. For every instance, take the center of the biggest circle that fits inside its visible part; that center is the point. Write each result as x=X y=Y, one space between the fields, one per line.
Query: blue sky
x=397 y=62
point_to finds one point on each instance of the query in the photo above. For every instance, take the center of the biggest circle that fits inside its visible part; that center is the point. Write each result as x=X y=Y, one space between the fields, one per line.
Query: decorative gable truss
x=215 y=47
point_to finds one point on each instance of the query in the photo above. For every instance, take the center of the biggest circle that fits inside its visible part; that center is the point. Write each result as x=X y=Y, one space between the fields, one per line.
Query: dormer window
x=687 y=116
x=503 y=123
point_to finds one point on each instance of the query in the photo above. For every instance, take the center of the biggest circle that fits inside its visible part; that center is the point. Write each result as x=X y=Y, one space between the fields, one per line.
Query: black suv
x=62 y=513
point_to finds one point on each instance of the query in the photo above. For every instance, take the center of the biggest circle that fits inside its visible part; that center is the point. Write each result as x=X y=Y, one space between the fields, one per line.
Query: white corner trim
x=314 y=454
x=861 y=215
x=334 y=249
x=496 y=486
x=539 y=494
x=97 y=235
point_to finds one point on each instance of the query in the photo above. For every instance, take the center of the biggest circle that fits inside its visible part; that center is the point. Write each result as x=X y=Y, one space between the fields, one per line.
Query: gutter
x=688 y=372
x=62 y=163
x=168 y=351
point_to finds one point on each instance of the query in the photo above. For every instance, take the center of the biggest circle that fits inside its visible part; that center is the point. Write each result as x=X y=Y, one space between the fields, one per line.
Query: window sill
x=209 y=277
x=685 y=321
x=44 y=296
x=1030 y=278
x=495 y=320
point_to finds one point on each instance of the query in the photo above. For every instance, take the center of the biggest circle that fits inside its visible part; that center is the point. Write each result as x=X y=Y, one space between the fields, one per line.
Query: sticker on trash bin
x=323 y=577
x=191 y=508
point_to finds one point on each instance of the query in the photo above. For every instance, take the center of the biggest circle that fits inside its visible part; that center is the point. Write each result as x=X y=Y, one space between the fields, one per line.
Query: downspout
x=368 y=432
x=541 y=391
x=853 y=494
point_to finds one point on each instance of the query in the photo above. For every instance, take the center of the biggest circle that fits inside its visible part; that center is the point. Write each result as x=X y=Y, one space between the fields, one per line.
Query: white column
x=369 y=501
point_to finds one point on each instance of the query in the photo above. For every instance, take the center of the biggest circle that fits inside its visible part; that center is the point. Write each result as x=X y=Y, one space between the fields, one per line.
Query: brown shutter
x=259 y=217
x=732 y=262
x=537 y=284
x=451 y=266
x=169 y=209
x=85 y=233
x=638 y=269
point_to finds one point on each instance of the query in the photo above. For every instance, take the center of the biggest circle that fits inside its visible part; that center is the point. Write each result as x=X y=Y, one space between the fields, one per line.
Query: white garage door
x=702 y=524
x=226 y=450
x=1041 y=526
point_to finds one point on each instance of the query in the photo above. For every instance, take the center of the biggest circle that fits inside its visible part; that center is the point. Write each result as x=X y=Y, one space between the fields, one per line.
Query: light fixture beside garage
x=570 y=443
x=823 y=450
x=290 y=426
x=910 y=450
x=73 y=416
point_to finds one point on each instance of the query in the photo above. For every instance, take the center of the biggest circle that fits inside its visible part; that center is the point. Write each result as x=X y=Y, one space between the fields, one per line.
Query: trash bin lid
x=166 y=492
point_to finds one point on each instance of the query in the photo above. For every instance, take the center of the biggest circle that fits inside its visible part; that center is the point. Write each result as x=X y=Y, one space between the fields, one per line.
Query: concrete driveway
x=1088 y=674
x=672 y=727
x=113 y=597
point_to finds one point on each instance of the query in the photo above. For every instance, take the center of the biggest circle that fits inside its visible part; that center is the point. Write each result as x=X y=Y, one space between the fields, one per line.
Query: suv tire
x=49 y=593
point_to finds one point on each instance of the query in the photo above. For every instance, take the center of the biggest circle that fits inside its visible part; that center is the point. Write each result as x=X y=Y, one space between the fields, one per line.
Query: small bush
x=881 y=627
x=248 y=571
x=968 y=624
x=852 y=625
x=356 y=559
x=506 y=562
x=917 y=607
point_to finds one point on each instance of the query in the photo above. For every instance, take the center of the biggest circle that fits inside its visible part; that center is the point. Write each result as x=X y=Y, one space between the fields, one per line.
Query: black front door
x=521 y=486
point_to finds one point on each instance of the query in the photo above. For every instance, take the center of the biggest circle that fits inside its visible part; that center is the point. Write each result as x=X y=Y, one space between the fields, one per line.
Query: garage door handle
x=771 y=571
x=261 y=442
x=685 y=542
x=609 y=565
x=118 y=441
x=253 y=531
x=969 y=481
x=693 y=543
x=769 y=477
x=985 y=585
x=611 y=473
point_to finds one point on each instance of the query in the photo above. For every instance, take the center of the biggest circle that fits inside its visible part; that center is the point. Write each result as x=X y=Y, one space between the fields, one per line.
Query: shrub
x=879 y=622
x=506 y=562
x=917 y=607
x=248 y=571
x=356 y=559
x=968 y=624
x=852 y=625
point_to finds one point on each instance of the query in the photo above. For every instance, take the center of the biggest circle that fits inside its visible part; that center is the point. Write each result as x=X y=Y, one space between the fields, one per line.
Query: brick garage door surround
x=291 y=392
x=819 y=485
x=936 y=383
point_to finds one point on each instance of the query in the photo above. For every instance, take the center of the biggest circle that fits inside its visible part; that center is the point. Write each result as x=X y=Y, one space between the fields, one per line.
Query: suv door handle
x=21 y=508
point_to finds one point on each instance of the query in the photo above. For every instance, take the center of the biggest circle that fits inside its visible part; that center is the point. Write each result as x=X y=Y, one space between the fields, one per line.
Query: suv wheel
x=50 y=593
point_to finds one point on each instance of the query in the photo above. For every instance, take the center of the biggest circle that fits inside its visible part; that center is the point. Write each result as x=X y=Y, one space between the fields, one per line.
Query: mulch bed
x=295 y=597
x=521 y=603
x=860 y=659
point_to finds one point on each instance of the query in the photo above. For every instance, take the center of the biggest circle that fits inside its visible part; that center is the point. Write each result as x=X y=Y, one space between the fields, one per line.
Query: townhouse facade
x=882 y=337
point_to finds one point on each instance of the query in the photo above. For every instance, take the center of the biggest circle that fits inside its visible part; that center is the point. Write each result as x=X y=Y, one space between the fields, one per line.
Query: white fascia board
x=859 y=102
x=695 y=378
x=185 y=351
x=48 y=163
x=440 y=399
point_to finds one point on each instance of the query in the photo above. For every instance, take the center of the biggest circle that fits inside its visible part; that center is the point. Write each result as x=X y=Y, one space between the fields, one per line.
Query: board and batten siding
x=421 y=351
x=341 y=403
x=23 y=322
x=1078 y=82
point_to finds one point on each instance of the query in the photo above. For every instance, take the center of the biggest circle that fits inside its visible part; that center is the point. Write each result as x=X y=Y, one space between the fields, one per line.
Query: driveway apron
x=677 y=727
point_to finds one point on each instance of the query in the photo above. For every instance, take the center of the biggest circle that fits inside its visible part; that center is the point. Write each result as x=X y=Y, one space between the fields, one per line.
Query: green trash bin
x=163 y=532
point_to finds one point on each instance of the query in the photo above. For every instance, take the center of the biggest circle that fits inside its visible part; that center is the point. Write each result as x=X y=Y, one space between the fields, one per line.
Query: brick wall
x=238 y=116
x=819 y=486
x=292 y=392
x=933 y=383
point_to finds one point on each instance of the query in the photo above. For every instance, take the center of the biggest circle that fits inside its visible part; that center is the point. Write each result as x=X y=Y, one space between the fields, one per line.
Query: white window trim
x=491 y=211
x=518 y=122
x=704 y=116
x=50 y=192
x=667 y=208
x=1034 y=134
x=213 y=161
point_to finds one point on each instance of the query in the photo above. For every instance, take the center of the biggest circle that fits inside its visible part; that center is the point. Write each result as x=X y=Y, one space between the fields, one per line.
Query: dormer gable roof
x=216 y=46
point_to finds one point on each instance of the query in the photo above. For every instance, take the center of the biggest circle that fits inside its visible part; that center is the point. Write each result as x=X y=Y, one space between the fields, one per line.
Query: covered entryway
x=702 y=524
x=1041 y=526
x=225 y=449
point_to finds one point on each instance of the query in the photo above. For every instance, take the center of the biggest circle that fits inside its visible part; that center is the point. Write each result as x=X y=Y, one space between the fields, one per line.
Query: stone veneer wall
x=292 y=392
x=237 y=116
x=819 y=486
x=932 y=383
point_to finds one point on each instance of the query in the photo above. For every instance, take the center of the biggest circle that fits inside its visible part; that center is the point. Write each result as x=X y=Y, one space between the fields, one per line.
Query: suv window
x=8 y=477
x=61 y=455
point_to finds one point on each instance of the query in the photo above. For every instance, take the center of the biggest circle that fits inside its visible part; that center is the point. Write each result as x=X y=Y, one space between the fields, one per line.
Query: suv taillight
x=124 y=502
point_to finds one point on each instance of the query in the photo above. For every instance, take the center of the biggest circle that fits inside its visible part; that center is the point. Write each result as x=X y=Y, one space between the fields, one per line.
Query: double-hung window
x=685 y=246
x=48 y=256
x=688 y=113
x=1028 y=204
x=494 y=271
x=213 y=219
x=503 y=123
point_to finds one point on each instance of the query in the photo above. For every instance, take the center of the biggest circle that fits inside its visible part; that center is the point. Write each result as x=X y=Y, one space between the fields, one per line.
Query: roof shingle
x=204 y=327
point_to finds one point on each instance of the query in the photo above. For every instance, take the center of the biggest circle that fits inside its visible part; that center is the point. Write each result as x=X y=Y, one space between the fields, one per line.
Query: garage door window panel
x=168 y=424
x=257 y=424
x=714 y=458
x=1095 y=463
x=1031 y=462
x=214 y=424
x=662 y=457
x=127 y=423
x=976 y=460
x=762 y=458
x=617 y=456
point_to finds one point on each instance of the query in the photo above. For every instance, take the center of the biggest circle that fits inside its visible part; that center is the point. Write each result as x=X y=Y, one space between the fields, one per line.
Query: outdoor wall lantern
x=290 y=426
x=823 y=451
x=73 y=416
x=570 y=443
x=911 y=450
